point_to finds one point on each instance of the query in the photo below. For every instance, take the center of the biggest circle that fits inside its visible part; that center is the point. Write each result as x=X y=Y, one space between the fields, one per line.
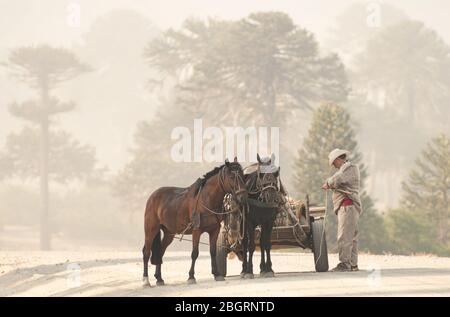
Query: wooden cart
x=305 y=229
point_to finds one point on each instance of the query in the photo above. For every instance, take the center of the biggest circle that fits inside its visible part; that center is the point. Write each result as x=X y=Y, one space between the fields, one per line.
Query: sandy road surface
x=119 y=274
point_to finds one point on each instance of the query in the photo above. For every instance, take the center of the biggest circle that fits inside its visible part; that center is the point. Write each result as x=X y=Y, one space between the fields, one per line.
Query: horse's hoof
x=249 y=276
x=192 y=281
x=219 y=278
x=268 y=274
x=145 y=282
x=160 y=283
x=242 y=275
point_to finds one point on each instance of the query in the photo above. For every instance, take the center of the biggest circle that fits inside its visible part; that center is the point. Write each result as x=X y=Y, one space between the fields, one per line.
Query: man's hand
x=325 y=186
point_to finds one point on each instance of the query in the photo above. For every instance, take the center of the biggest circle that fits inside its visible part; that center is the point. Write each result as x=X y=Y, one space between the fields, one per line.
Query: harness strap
x=222 y=187
x=189 y=226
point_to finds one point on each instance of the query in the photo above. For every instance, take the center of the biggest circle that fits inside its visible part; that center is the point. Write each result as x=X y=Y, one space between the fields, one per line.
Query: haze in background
x=113 y=98
x=30 y=22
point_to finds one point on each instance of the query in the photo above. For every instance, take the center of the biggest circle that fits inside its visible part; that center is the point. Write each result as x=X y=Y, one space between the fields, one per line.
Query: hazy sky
x=46 y=20
x=25 y=22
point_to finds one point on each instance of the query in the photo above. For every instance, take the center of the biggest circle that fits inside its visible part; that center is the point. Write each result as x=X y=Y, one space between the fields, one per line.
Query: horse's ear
x=235 y=159
x=272 y=158
x=227 y=162
x=258 y=158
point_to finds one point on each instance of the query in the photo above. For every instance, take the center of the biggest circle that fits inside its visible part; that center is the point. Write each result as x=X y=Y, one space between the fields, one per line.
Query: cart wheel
x=221 y=253
x=319 y=246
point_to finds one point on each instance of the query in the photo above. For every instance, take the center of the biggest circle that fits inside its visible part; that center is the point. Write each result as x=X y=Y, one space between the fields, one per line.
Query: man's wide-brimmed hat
x=335 y=154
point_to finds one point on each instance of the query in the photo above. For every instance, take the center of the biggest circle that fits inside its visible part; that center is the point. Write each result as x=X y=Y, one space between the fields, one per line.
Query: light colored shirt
x=346 y=183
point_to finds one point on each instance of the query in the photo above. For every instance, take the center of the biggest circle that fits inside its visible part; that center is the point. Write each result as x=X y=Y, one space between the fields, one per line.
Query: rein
x=234 y=192
x=222 y=187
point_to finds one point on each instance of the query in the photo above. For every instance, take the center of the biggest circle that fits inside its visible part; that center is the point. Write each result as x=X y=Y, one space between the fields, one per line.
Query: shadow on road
x=323 y=282
x=22 y=280
x=19 y=280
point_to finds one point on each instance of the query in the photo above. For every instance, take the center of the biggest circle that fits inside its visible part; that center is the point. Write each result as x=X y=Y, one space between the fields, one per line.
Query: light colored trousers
x=347 y=235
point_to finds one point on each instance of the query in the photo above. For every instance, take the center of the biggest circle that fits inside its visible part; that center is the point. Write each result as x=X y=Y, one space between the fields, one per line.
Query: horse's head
x=267 y=179
x=233 y=180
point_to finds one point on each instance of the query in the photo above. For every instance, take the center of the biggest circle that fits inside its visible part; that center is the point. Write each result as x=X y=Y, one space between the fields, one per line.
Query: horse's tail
x=156 y=250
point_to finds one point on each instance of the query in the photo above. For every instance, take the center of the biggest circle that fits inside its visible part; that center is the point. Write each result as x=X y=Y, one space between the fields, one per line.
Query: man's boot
x=342 y=267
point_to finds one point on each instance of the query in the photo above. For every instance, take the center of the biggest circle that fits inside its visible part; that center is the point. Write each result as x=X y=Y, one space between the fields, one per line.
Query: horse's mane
x=202 y=180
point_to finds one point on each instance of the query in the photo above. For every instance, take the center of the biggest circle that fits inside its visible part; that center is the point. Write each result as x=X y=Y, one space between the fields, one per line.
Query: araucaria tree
x=43 y=68
x=410 y=64
x=257 y=69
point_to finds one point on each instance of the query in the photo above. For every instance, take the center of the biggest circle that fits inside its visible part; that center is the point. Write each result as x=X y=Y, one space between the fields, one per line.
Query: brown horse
x=192 y=210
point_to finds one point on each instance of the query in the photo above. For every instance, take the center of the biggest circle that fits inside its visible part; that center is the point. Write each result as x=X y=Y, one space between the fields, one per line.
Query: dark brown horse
x=171 y=209
x=264 y=199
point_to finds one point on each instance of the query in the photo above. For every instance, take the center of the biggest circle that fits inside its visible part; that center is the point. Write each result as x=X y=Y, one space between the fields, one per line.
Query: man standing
x=347 y=206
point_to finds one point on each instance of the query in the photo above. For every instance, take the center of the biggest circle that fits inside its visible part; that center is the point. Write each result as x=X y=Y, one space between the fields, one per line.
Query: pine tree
x=331 y=128
x=422 y=222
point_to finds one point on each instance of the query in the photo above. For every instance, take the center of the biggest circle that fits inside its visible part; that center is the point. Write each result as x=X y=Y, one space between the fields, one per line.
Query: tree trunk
x=411 y=101
x=45 y=237
x=443 y=221
x=45 y=230
x=271 y=119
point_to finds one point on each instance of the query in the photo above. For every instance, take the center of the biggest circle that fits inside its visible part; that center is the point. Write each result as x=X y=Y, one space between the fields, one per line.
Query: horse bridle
x=233 y=192
x=264 y=187
x=236 y=180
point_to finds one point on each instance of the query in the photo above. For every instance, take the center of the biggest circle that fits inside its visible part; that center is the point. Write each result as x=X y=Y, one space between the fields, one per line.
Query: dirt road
x=119 y=274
